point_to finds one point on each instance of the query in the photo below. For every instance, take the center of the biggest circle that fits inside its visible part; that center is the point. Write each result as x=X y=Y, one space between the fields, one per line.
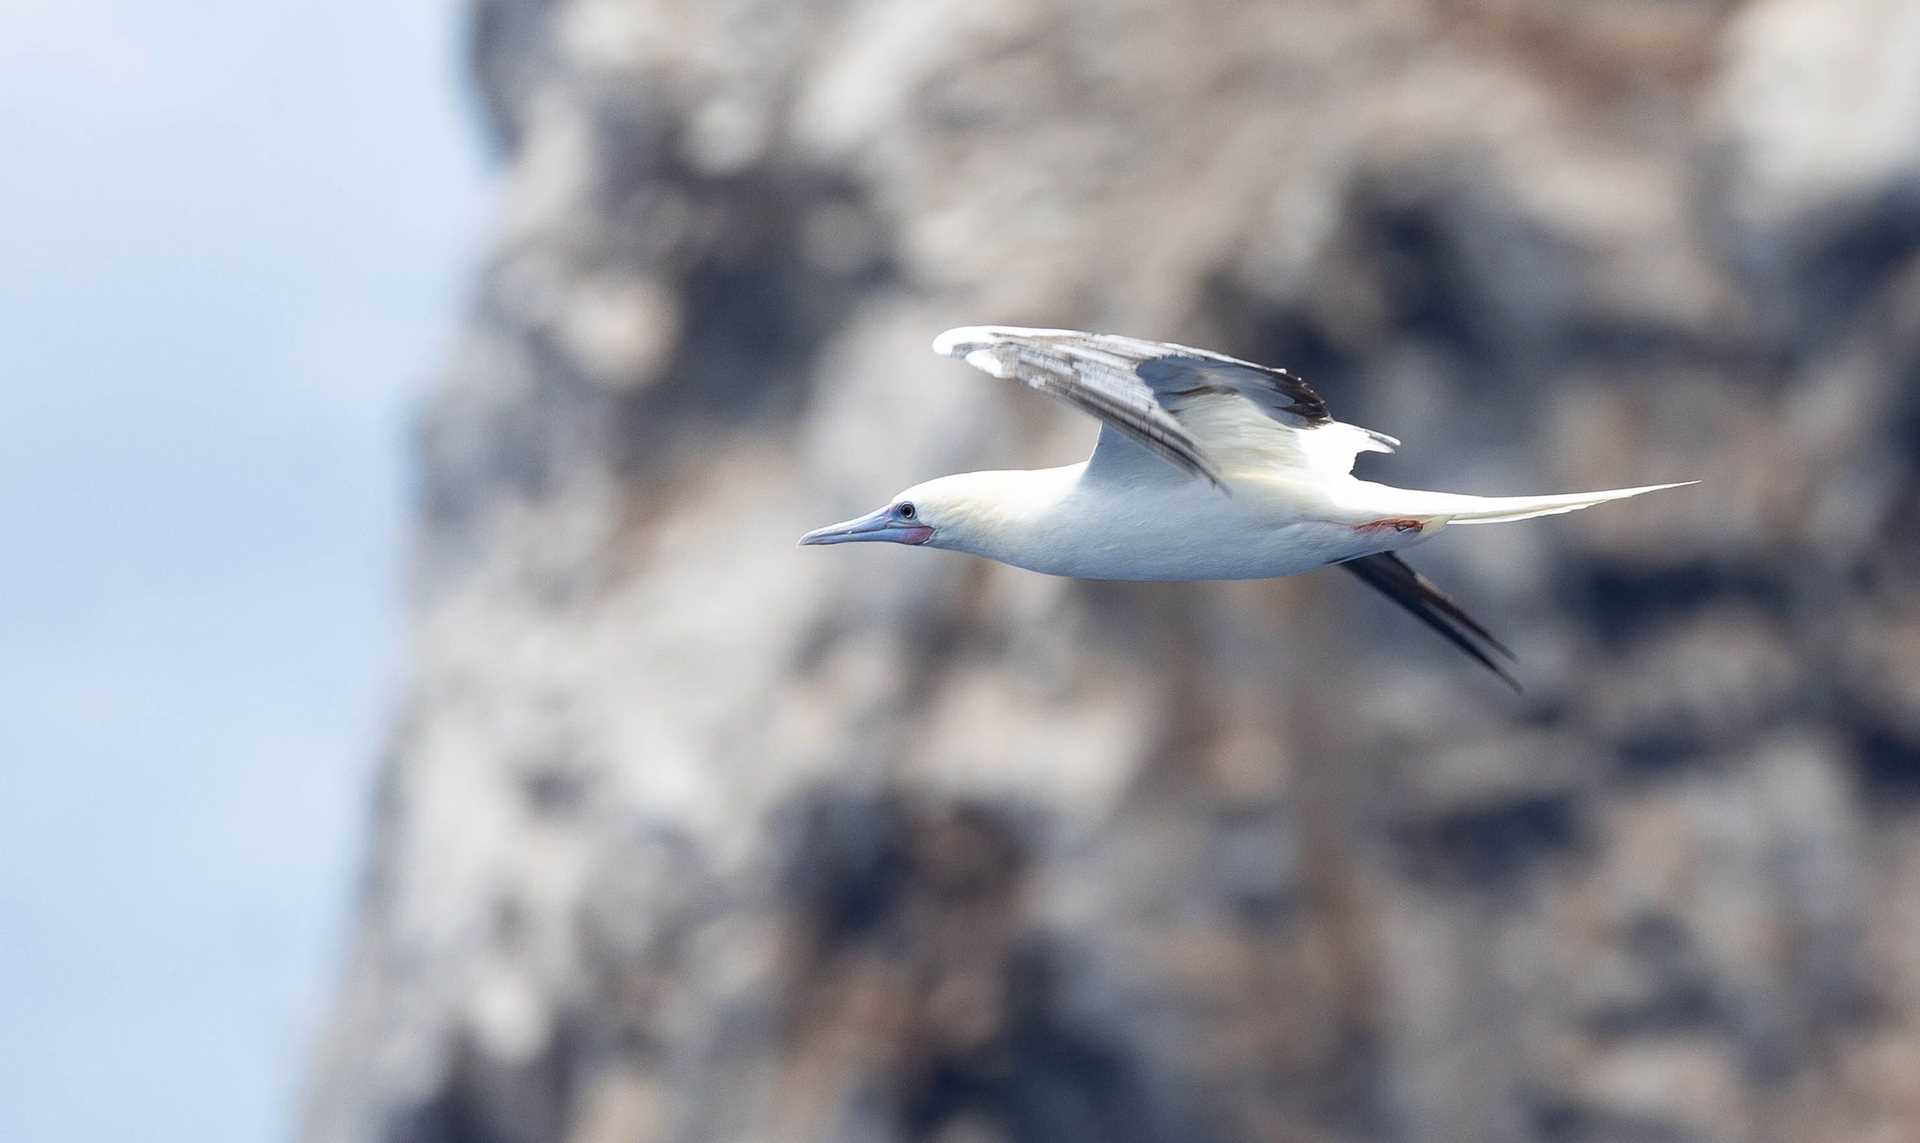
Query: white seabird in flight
x=1207 y=467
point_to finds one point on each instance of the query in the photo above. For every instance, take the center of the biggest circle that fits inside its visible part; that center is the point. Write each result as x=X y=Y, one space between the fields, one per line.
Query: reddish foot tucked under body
x=1397 y=523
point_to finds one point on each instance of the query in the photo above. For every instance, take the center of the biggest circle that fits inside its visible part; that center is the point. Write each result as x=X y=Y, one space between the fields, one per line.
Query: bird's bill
x=876 y=526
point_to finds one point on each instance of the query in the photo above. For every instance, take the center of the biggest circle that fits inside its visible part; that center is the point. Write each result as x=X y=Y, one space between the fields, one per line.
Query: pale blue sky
x=233 y=235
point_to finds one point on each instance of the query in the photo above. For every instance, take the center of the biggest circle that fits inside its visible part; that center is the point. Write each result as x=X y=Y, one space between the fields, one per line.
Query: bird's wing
x=1203 y=412
x=1388 y=574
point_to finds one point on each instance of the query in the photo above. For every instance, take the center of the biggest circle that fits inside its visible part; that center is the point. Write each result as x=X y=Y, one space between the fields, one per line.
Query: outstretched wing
x=1202 y=412
x=1390 y=575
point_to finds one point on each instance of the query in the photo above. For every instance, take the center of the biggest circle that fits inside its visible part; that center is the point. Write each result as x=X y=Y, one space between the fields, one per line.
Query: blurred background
x=427 y=729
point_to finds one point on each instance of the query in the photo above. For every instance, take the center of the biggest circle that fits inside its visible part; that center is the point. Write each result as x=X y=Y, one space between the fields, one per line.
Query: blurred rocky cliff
x=687 y=834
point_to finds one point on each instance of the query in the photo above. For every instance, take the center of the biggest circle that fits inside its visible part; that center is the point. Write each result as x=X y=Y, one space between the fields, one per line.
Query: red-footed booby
x=1207 y=467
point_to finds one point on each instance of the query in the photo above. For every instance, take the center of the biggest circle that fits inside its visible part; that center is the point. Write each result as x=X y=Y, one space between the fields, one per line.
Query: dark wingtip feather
x=1392 y=577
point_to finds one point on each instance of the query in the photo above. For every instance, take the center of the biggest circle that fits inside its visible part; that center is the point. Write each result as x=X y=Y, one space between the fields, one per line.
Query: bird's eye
x=905 y=511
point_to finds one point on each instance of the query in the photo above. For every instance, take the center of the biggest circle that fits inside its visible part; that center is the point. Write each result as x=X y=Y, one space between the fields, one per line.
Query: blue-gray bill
x=877 y=526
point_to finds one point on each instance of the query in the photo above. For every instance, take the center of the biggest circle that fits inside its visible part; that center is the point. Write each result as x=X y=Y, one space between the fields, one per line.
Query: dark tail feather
x=1390 y=576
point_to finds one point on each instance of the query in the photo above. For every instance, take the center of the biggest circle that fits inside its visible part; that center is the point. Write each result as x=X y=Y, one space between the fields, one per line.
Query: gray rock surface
x=686 y=834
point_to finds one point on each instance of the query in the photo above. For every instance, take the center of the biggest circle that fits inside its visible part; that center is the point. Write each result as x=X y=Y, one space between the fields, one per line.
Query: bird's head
x=942 y=513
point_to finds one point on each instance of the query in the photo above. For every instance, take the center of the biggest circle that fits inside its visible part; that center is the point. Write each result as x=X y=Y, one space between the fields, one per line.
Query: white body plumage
x=1140 y=526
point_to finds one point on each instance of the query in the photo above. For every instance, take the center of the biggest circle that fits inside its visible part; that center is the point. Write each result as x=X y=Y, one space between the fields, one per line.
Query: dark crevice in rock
x=1558 y=1120
x=485 y=1100
x=1853 y=253
x=1486 y=846
x=849 y=863
x=1623 y=600
x=987 y=1034
x=757 y=307
x=1048 y=1077
x=1888 y=765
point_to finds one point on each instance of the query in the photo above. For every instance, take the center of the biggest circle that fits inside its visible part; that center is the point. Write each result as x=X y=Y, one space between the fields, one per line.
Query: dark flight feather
x=1388 y=574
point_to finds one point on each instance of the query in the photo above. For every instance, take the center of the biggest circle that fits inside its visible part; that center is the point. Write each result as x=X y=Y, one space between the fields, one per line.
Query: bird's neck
x=1013 y=516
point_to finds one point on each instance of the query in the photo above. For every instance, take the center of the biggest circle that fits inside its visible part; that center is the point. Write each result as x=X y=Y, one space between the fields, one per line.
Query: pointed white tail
x=1456 y=508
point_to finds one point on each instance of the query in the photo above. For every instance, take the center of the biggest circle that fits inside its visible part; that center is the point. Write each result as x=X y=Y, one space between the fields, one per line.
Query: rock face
x=687 y=834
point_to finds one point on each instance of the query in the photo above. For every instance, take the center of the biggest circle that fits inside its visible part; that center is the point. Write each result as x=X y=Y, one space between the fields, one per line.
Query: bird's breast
x=1188 y=531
